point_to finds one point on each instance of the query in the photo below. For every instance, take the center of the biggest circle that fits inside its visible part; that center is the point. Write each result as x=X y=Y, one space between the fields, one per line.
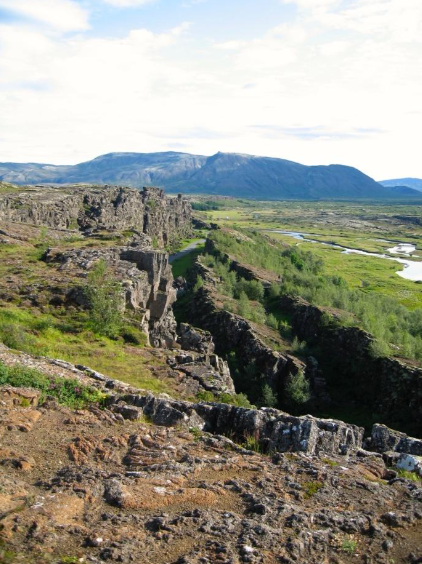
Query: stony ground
x=80 y=486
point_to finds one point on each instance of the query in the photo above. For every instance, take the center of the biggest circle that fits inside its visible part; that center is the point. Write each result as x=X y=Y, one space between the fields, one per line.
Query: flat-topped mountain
x=229 y=174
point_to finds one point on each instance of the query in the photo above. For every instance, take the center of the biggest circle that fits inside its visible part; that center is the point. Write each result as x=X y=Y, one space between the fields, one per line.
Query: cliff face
x=96 y=208
x=392 y=388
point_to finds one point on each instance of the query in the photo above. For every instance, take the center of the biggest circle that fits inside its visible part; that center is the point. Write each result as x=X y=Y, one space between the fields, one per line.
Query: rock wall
x=147 y=283
x=232 y=333
x=95 y=208
x=390 y=387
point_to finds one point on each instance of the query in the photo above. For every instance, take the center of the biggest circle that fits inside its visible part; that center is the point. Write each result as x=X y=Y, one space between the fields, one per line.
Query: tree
x=268 y=397
x=298 y=390
x=105 y=300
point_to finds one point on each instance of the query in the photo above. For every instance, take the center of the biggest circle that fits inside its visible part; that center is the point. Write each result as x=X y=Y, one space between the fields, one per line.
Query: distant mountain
x=228 y=174
x=415 y=183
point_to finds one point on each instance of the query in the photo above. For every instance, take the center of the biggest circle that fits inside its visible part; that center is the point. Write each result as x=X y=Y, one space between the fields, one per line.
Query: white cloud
x=128 y=3
x=327 y=87
x=62 y=15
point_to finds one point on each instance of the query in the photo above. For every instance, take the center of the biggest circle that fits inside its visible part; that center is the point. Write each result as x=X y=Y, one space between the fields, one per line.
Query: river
x=412 y=268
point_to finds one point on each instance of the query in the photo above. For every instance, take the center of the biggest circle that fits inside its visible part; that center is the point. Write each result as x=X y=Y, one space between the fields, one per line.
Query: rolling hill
x=230 y=174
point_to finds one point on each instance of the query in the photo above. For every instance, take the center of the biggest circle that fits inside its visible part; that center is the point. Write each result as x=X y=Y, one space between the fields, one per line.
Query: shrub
x=198 y=284
x=272 y=321
x=298 y=346
x=297 y=389
x=312 y=488
x=105 y=299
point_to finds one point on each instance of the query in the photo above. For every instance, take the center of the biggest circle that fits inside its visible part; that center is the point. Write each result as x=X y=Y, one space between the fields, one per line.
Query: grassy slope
x=60 y=333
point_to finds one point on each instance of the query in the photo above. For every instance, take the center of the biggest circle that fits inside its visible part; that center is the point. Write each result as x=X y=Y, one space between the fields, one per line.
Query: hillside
x=415 y=183
x=223 y=173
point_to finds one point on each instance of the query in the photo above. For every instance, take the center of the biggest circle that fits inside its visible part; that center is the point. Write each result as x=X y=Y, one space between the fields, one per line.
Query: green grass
x=311 y=488
x=349 y=546
x=413 y=476
x=67 y=391
x=369 y=274
x=65 y=337
x=239 y=400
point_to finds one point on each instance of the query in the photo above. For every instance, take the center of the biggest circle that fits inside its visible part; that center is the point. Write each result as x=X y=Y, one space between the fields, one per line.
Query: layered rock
x=110 y=208
x=274 y=431
x=145 y=276
x=384 y=439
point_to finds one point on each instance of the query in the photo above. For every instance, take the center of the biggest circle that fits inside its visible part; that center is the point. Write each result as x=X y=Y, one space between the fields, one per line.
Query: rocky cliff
x=100 y=208
x=389 y=387
x=239 y=337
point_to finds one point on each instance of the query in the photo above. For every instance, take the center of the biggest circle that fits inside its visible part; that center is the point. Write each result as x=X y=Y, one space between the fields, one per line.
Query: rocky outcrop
x=390 y=387
x=211 y=372
x=146 y=280
x=274 y=431
x=101 y=208
x=384 y=439
x=85 y=485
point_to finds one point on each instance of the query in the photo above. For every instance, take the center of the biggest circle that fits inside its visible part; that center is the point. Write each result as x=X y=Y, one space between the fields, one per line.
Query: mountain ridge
x=415 y=183
x=230 y=174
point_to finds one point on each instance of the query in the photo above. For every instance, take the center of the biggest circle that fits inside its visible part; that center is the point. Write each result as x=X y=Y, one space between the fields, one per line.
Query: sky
x=313 y=81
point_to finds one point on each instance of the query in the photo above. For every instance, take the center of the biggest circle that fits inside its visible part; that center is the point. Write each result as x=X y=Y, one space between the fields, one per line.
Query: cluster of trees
x=397 y=329
x=244 y=292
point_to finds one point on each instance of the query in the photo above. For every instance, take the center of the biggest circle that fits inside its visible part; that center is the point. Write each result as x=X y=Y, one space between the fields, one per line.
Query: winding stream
x=412 y=269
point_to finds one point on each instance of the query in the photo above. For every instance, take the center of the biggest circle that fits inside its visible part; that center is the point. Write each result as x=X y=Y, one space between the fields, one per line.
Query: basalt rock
x=146 y=278
x=101 y=208
x=234 y=334
x=273 y=430
x=210 y=372
x=389 y=386
x=384 y=439
x=194 y=339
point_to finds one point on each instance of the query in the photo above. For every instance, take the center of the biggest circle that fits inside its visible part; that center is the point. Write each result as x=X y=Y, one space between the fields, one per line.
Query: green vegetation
x=66 y=391
x=66 y=335
x=297 y=391
x=196 y=432
x=311 y=488
x=268 y=397
x=303 y=274
x=239 y=400
x=413 y=476
x=181 y=265
x=349 y=546
x=251 y=442
x=104 y=296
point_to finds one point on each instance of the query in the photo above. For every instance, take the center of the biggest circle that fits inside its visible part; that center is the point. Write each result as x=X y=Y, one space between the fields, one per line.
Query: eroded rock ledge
x=110 y=208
